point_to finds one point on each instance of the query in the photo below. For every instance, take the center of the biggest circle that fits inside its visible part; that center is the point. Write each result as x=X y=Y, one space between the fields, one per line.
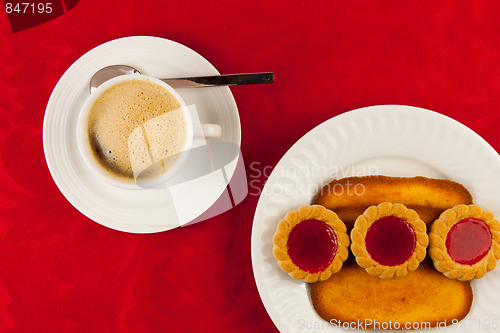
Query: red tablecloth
x=62 y=272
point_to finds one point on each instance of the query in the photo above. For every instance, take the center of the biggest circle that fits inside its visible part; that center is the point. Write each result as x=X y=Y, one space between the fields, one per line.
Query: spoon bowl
x=109 y=72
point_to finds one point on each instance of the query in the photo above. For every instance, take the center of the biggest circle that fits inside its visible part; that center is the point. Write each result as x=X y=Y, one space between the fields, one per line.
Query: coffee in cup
x=135 y=128
x=132 y=106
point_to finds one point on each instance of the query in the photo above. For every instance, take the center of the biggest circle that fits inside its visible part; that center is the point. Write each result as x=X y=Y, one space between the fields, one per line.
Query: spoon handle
x=220 y=80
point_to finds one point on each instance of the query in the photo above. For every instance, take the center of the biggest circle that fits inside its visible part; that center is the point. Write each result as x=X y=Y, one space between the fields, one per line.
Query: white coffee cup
x=209 y=131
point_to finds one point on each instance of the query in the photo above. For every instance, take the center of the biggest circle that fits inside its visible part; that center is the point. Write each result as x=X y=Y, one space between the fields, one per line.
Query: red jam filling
x=468 y=241
x=312 y=245
x=390 y=241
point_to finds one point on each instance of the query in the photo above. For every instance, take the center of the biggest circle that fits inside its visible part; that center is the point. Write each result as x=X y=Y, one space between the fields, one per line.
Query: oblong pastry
x=465 y=242
x=389 y=240
x=310 y=243
x=429 y=197
x=420 y=300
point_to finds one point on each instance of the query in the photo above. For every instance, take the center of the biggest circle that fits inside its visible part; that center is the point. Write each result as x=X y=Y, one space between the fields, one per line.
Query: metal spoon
x=110 y=72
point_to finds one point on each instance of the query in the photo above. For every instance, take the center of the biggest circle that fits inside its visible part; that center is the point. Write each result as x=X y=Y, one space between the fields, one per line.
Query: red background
x=61 y=272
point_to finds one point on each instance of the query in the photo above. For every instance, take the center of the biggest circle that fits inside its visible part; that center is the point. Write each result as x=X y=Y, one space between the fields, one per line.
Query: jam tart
x=310 y=243
x=389 y=240
x=465 y=242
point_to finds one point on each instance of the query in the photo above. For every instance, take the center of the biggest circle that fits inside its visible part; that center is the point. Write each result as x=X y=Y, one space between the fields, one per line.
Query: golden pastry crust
x=424 y=296
x=438 y=251
x=429 y=197
x=285 y=226
x=372 y=214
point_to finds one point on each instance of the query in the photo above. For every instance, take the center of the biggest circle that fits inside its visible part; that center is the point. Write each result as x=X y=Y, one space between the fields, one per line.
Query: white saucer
x=141 y=211
x=387 y=140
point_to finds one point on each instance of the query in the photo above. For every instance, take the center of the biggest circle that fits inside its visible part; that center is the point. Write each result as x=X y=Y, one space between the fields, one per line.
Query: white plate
x=386 y=140
x=141 y=211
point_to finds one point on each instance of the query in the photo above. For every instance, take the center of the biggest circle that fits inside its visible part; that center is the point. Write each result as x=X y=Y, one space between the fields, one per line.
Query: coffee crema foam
x=137 y=129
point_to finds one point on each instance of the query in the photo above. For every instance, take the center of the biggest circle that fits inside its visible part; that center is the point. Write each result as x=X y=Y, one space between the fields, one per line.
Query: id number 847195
x=27 y=7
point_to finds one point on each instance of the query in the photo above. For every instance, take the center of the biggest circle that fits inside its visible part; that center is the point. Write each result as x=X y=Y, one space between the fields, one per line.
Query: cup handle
x=210 y=131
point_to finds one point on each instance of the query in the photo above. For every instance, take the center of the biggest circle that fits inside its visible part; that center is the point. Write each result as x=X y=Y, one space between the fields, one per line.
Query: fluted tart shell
x=439 y=251
x=367 y=219
x=293 y=218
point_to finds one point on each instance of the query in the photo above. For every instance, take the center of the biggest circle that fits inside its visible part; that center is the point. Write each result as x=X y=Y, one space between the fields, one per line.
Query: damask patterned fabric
x=62 y=272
